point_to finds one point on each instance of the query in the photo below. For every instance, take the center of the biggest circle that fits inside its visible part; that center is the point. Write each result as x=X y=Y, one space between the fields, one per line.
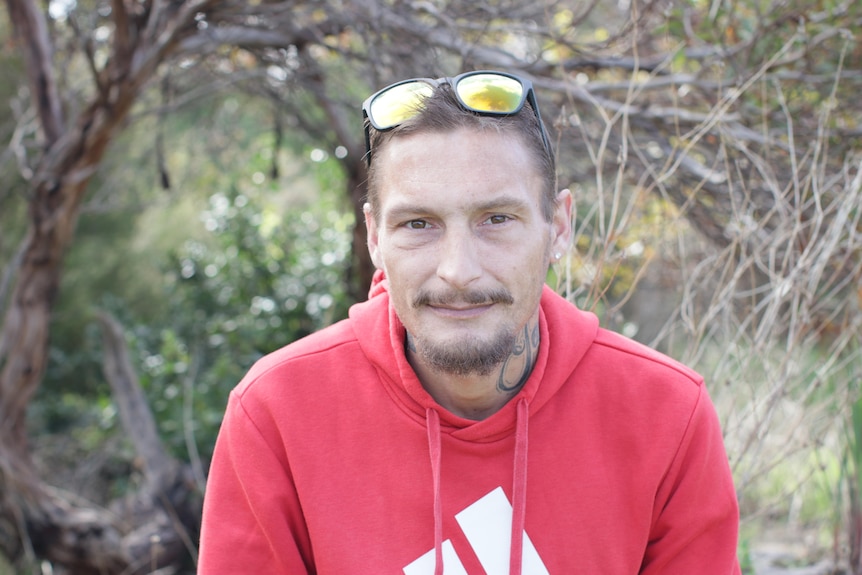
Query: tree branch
x=123 y=42
x=32 y=30
x=132 y=405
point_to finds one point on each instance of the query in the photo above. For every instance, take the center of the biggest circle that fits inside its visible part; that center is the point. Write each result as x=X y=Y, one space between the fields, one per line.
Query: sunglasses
x=483 y=92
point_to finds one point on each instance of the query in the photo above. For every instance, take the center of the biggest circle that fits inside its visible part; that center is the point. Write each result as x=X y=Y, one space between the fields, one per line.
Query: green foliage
x=854 y=443
x=226 y=265
x=746 y=565
x=852 y=481
x=262 y=281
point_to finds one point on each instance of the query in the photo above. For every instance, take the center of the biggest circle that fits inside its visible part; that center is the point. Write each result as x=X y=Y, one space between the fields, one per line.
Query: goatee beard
x=471 y=355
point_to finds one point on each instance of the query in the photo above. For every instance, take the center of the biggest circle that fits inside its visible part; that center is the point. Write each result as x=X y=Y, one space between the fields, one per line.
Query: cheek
x=518 y=258
x=405 y=274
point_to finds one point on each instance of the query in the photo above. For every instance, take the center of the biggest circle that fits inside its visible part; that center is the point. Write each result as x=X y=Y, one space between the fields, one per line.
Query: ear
x=373 y=237
x=561 y=224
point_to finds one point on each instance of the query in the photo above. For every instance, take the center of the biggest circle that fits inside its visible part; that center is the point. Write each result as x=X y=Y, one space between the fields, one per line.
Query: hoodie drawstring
x=519 y=486
x=434 y=446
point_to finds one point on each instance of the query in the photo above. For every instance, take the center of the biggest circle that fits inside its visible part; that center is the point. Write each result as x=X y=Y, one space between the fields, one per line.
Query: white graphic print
x=425 y=564
x=487 y=523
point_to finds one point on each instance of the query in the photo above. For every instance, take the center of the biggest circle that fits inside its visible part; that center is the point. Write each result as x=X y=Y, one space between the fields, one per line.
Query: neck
x=478 y=396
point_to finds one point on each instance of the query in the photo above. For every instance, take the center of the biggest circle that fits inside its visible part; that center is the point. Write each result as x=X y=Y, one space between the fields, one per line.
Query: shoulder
x=632 y=355
x=328 y=348
x=641 y=388
x=629 y=372
x=578 y=343
x=649 y=396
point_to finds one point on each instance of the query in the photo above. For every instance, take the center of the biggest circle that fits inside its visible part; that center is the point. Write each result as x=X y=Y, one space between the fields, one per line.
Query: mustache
x=473 y=297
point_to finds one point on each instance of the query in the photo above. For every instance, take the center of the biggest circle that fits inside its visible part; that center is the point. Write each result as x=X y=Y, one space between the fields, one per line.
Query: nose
x=459 y=262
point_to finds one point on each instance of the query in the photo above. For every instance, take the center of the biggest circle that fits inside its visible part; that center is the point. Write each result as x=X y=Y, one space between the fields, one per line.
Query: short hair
x=441 y=112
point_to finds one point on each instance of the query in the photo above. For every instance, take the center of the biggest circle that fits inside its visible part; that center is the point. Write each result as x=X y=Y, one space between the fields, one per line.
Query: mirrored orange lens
x=491 y=93
x=398 y=104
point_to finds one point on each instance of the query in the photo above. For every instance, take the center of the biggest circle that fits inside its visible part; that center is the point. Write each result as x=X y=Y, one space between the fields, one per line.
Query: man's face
x=463 y=243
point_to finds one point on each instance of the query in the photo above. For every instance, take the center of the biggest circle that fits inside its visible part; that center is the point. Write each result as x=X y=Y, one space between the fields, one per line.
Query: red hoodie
x=333 y=460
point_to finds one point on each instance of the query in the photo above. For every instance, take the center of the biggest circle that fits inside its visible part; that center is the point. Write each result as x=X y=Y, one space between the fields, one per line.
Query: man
x=467 y=420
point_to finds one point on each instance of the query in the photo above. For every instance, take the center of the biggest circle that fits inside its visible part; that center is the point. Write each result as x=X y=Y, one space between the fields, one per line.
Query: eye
x=497 y=219
x=416 y=224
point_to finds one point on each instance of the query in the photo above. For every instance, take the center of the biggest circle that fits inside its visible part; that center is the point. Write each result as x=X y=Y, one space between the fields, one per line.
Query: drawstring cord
x=434 y=446
x=519 y=487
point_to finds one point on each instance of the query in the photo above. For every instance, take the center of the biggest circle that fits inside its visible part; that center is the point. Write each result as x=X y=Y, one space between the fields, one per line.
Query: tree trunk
x=31 y=514
x=35 y=520
x=362 y=268
x=153 y=528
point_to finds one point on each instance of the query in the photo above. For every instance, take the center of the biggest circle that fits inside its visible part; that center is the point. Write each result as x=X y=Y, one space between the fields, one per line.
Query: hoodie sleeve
x=696 y=518
x=252 y=521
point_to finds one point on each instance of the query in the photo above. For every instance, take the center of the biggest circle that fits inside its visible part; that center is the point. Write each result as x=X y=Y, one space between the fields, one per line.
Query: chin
x=467 y=355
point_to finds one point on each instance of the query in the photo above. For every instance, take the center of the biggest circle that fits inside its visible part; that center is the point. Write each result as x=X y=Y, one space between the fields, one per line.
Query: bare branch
x=32 y=30
x=132 y=404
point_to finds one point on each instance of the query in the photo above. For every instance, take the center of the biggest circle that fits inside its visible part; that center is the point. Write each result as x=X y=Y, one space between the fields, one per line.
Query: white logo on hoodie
x=487 y=523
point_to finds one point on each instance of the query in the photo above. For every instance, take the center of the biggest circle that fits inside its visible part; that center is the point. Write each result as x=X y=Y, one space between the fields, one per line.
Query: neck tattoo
x=519 y=365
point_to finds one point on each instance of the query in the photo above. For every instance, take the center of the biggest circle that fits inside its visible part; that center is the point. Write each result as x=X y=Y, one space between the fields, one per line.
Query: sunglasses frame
x=529 y=95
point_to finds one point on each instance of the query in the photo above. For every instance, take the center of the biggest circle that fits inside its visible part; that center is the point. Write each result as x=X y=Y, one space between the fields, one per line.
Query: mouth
x=460 y=311
x=463 y=303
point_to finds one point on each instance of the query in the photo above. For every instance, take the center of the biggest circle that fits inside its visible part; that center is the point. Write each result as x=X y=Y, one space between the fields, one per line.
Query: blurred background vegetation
x=713 y=147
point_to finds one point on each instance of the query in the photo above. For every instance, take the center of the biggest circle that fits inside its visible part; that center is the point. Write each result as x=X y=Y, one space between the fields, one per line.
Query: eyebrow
x=502 y=203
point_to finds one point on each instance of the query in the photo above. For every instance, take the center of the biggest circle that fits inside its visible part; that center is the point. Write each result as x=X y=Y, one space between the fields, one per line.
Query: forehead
x=453 y=166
